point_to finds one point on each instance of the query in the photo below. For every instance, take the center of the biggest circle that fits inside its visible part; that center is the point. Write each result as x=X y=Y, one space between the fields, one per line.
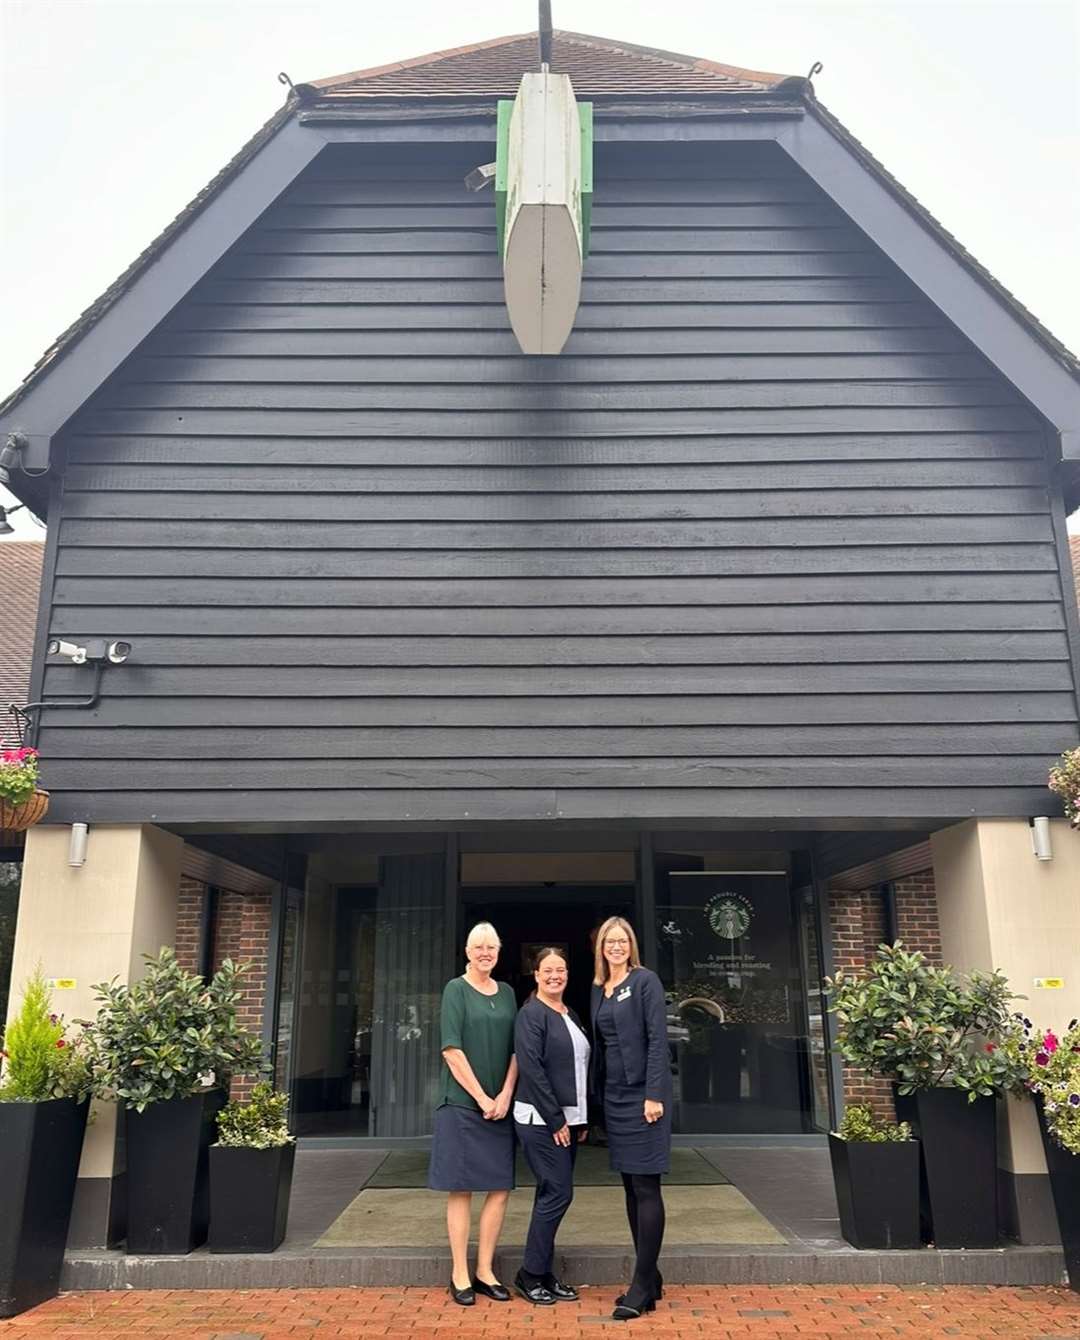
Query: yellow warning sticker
x=63 y=983
x=1049 y=983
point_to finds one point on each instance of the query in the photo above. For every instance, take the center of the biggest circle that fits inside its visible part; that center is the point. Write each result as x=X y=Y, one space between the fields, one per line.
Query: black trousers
x=553 y=1167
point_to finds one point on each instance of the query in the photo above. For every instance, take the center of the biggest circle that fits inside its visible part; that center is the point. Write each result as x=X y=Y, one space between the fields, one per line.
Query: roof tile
x=20 y=581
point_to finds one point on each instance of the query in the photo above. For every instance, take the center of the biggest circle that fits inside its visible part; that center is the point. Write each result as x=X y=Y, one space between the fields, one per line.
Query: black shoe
x=499 y=1292
x=658 y=1295
x=463 y=1297
x=630 y=1309
x=534 y=1293
x=562 y=1293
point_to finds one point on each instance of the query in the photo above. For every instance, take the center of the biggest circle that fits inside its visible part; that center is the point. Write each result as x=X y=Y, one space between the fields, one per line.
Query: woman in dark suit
x=550 y=1117
x=472 y=1144
x=632 y=1080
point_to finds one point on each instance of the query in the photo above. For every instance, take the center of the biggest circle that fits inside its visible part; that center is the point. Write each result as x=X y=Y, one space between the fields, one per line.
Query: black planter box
x=249 y=1197
x=877 y=1190
x=40 y=1145
x=958 y=1140
x=168 y=1149
x=1064 y=1170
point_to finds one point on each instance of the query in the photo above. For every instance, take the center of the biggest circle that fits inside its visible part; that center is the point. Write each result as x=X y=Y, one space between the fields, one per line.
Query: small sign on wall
x=62 y=984
x=1049 y=983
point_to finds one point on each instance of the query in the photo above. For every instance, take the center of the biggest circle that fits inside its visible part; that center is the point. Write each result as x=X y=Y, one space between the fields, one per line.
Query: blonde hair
x=602 y=970
x=482 y=930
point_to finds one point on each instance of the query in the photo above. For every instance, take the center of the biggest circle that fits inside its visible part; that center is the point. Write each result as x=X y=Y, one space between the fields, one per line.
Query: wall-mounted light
x=80 y=834
x=1040 y=838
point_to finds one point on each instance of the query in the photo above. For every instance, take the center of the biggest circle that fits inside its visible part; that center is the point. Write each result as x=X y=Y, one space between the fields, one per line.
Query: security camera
x=72 y=650
x=480 y=177
x=118 y=652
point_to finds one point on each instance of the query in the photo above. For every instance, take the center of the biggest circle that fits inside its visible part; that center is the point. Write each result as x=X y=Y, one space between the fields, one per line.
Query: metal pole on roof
x=544 y=26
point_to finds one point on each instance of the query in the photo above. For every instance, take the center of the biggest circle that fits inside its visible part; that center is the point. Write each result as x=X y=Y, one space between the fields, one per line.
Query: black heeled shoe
x=621 y=1298
x=463 y=1297
x=633 y=1306
x=499 y=1292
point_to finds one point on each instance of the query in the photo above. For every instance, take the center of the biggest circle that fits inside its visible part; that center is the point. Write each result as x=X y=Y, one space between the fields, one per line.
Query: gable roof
x=471 y=78
x=597 y=66
x=20 y=581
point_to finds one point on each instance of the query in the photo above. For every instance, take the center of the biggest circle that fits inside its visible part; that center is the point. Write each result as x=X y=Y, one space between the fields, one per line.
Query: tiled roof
x=597 y=66
x=20 y=580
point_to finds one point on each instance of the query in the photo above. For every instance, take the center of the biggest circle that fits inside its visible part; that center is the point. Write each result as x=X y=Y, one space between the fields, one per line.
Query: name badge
x=624 y=994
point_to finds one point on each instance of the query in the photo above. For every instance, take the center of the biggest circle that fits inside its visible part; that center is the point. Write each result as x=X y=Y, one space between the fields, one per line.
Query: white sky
x=115 y=113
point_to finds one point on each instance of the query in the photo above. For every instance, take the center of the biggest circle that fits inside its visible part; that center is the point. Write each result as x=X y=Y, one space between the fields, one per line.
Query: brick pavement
x=701 y=1313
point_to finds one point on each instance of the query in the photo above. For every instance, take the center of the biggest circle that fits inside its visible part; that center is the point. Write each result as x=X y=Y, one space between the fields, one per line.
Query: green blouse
x=483 y=1028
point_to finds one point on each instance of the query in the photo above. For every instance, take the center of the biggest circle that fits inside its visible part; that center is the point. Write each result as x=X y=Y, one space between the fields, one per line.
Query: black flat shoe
x=499 y=1292
x=534 y=1293
x=463 y=1297
x=562 y=1293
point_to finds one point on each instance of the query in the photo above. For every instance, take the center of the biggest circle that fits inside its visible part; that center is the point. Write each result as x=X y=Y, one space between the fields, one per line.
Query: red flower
x=60 y=1042
x=991 y=1046
x=1042 y=1059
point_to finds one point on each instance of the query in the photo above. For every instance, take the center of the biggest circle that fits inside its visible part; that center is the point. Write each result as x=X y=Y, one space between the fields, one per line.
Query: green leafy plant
x=860 y=1124
x=1064 y=781
x=925 y=1026
x=1051 y=1070
x=260 y=1123
x=169 y=1034
x=40 y=1061
x=18 y=775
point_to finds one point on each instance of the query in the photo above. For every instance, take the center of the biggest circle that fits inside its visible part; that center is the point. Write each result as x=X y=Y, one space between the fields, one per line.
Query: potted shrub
x=937 y=1035
x=1064 y=781
x=166 y=1047
x=44 y=1096
x=875 y=1167
x=1051 y=1070
x=22 y=804
x=251 y=1169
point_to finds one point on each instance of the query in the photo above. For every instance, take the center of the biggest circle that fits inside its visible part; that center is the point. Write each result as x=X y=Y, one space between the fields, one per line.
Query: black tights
x=645 y=1211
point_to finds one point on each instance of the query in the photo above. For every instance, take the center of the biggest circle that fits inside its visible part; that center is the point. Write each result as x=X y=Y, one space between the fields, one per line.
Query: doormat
x=696 y=1216
x=408 y=1169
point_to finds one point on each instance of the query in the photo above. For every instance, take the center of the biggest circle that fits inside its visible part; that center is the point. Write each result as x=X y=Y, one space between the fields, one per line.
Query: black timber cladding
x=769 y=537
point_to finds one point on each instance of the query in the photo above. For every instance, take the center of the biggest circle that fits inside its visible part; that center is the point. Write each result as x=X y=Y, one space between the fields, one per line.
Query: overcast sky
x=115 y=113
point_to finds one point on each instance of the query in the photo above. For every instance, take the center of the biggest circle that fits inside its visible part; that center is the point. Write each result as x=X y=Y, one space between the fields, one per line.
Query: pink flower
x=1050 y=1043
x=1042 y=1058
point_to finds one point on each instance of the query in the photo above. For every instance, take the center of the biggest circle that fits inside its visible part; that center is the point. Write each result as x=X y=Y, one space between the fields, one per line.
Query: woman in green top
x=472 y=1145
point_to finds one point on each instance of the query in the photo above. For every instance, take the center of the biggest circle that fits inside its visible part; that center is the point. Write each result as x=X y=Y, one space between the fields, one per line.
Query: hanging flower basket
x=17 y=818
x=22 y=804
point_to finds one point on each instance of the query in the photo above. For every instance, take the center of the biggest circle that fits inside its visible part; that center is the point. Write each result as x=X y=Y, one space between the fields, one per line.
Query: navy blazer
x=545 y=1056
x=641 y=1027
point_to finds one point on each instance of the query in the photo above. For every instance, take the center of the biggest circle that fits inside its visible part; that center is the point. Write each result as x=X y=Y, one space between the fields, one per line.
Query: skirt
x=635 y=1146
x=469 y=1153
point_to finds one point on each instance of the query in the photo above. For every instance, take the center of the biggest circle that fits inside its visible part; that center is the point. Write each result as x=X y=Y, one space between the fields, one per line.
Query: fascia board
x=62 y=389
x=998 y=335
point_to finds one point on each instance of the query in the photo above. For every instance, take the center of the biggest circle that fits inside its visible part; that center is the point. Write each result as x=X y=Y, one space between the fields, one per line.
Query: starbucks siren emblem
x=729 y=914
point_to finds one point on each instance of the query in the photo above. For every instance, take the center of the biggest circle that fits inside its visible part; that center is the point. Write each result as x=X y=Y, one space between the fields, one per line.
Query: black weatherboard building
x=754 y=598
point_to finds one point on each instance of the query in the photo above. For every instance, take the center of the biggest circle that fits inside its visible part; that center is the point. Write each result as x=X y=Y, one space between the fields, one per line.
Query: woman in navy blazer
x=632 y=1082
x=550 y=1116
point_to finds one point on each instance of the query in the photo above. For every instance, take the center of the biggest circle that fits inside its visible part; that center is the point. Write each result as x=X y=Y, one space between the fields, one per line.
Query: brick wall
x=858 y=922
x=241 y=931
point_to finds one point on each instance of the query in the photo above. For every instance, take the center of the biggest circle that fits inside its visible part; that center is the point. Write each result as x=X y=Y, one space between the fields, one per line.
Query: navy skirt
x=635 y=1146
x=469 y=1153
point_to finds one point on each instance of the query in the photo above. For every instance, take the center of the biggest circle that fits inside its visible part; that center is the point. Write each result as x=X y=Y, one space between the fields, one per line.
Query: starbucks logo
x=729 y=915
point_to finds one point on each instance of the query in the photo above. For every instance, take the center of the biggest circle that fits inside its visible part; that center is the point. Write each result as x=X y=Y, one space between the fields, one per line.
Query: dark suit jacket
x=545 y=1057
x=641 y=1026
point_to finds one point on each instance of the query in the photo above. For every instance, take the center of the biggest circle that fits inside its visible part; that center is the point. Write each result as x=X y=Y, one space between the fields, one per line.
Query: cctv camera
x=74 y=653
x=480 y=177
x=118 y=652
